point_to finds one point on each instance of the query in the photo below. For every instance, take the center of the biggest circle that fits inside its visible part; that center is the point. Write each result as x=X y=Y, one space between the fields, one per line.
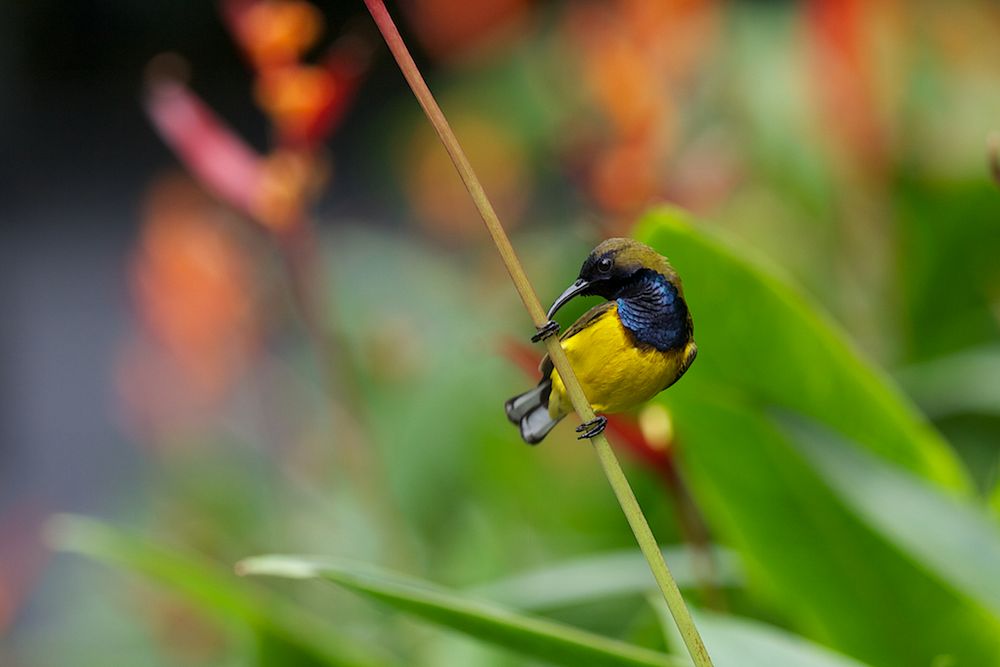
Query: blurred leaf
x=961 y=383
x=276 y=651
x=740 y=642
x=955 y=540
x=961 y=393
x=539 y=638
x=950 y=239
x=215 y=591
x=974 y=438
x=591 y=578
x=994 y=499
x=807 y=557
x=758 y=337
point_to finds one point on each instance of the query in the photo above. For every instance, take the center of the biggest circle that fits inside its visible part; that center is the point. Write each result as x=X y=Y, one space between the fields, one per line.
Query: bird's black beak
x=573 y=290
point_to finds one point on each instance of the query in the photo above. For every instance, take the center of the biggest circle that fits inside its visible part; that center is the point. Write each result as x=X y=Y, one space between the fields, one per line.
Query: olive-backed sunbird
x=624 y=351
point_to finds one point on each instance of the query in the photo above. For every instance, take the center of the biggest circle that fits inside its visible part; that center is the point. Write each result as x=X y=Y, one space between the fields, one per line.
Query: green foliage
x=600 y=577
x=950 y=238
x=553 y=642
x=739 y=642
x=283 y=630
x=961 y=383
x=953 y=539
x=851 y=519
x=822 y=568
x=760 y=340
x=835 y=550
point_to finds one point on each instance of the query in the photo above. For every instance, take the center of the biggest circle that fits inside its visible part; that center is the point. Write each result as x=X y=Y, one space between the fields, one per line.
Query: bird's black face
x=606 y=275
x=609 y=269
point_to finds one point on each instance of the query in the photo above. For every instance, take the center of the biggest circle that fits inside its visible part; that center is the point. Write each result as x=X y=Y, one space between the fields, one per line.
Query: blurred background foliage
x=280 y=327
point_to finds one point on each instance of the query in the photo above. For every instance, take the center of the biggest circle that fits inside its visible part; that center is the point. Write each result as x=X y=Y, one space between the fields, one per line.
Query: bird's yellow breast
x=615 y=373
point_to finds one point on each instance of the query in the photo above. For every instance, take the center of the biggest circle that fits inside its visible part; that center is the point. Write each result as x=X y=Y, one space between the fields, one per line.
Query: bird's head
x=612 y=268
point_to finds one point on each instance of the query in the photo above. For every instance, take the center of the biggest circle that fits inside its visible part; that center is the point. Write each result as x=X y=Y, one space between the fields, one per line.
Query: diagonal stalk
x=612 y=469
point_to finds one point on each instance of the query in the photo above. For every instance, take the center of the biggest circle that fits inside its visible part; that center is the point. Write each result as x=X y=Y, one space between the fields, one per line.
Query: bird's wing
x=588 y=317
x=690 y=352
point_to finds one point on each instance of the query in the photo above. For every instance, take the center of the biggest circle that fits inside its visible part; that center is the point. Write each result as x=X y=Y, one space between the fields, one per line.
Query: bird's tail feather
x=530 y=411
x=522 y=404
x=536 y=424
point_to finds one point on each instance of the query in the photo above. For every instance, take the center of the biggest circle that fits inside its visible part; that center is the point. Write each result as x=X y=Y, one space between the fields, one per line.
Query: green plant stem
x=609 y=462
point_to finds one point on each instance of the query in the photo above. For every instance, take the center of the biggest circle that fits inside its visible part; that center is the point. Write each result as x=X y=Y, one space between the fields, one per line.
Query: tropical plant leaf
x=596 y=577
x=955 y=540
x=808 y=557
x=961 y=383
x=817 y=564
x=741 y=642
x=534 y=637
x=759 y=338
x=216 y=591
x=949 y=230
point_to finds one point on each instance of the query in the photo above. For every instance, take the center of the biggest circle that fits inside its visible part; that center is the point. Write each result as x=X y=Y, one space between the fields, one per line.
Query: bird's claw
x=594 y=427
x=550 y=328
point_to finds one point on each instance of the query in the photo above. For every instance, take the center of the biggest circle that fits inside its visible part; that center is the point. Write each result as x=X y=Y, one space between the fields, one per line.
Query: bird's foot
x=550 y=328
x=594 y=427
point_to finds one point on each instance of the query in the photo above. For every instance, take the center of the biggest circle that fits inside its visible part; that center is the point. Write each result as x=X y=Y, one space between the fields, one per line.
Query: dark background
x=76 y=152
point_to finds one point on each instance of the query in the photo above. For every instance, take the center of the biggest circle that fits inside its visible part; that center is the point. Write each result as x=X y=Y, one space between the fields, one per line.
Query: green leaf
x=600 y=576
x=759 y=338
x=538 y=638
x=955 y=540
x=740 y=642
x=961 y=383
x=809 y=558
x=214 y=590
x=950 y=234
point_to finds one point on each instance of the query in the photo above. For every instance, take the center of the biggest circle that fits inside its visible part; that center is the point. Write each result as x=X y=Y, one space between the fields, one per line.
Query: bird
x=624 y=351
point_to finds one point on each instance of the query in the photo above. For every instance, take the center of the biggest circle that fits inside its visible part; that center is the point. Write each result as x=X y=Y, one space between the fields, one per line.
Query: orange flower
x=303 y=101
x=290 y=182
x=274 y=32
x=450 y=29
x=436 y=192
x=193 y=286
x=295 y=97
x=626 y=177
x=635 y=57
x=844 y=39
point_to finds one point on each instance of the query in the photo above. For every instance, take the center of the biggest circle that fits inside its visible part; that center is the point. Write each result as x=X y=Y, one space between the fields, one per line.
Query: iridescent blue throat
x=651 y=309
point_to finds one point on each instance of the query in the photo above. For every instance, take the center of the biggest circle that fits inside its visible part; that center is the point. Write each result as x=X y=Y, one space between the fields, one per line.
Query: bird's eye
x=604 y=265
